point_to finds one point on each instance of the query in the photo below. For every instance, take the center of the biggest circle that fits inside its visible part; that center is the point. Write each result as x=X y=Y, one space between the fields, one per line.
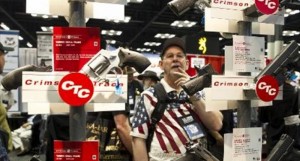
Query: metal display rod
x=77 y=114
x=244 y=107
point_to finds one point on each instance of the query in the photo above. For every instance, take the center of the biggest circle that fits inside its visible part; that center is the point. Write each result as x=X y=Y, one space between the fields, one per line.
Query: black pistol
x=202 y=80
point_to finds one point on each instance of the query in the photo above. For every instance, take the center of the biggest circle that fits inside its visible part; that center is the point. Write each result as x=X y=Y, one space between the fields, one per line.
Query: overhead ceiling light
x=185 y=23
x=45 y=16
x=134 y=1
x=111 y=41
x=5 y=27
x=29 y=45
x=126 y=20
x=43 y=28
x=294 y=12
x=152 y=43
x=290 y=33
x=289 y=12
x=21 y=38
x=143 y=49
x=111 y=32
x=47 y=28
x=118 y=33
x=164 y=35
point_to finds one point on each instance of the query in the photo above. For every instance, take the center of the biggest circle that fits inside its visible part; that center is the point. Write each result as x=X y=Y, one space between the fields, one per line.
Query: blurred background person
x=135 y=88
x=149 y=78
x=21 y=137
x=6 y=141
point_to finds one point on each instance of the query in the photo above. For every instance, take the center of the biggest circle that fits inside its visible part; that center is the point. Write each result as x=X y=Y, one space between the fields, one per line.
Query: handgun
x=106 y=61
x=288 y=55
x=202 y=152
x=202 y=80
x=281 y=149
x=196 y=152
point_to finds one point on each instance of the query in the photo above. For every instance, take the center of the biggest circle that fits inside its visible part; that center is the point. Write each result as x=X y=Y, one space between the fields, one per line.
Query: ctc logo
x=76 y=89
x=267 y=88
x=269 y=3
x=267 y=6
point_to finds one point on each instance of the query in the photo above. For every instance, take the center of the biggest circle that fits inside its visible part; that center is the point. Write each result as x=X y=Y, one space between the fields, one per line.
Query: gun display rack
x=77 y=118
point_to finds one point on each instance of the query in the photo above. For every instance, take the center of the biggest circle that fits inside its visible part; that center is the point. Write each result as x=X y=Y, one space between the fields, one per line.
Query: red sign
x=215 y=61
x=267 y=88
x=76 y=150
x=73 y=47
x=76 y=89
x=267 y=6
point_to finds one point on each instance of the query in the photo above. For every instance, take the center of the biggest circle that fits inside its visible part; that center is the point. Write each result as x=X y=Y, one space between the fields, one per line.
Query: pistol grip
x=197 y=84
x=133 y=59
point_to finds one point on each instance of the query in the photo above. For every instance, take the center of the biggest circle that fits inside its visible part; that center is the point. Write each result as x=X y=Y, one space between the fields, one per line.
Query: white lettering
x=77 y=89
x=83 y=93
x=56 y=83
x=270 y=5
x=230 y=84
x=263 y=86
x=231 y=3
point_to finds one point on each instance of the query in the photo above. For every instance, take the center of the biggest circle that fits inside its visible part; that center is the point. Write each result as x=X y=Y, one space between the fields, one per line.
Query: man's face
x=147 y=81
x=2 y=61
x=130 y=77
x=173 y=59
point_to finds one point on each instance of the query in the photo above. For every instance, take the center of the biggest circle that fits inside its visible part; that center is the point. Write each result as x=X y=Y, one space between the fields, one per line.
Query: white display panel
x=41 y=88
x=248 y=53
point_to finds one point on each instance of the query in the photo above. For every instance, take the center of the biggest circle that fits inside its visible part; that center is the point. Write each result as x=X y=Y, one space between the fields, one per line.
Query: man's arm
x=218 y=137
x=139 y=149
x=123 y=129
x=211 y=119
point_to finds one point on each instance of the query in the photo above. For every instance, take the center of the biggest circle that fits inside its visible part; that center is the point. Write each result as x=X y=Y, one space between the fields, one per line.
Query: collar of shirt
x=167 y=87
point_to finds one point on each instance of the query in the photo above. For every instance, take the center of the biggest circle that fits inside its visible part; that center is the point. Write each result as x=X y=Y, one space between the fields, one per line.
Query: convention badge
x=191 y=127
x=131 y=102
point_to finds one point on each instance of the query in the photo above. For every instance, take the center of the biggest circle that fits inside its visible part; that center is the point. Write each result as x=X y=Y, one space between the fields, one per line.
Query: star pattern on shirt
x=173 y=96
x=141 y=115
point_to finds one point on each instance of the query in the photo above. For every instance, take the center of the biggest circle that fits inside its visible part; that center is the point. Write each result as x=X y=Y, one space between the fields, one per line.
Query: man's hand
x=182 y=77
x=13 y=79
x=197 y=84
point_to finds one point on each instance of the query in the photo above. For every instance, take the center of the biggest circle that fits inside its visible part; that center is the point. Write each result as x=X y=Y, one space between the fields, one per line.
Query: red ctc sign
x=75 y=89
x=267 y=6
x=267 y=88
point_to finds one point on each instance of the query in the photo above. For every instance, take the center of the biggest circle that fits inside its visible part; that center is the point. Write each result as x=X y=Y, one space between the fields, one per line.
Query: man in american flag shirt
x=170 y=137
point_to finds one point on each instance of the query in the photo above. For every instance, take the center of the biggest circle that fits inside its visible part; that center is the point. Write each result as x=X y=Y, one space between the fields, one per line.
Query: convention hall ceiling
x=147 y=18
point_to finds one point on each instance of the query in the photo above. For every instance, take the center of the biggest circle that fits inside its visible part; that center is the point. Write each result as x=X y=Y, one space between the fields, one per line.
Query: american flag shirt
x=169 y=138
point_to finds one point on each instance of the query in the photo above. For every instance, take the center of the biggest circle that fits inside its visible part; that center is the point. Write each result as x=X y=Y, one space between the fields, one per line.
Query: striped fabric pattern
x=169 y=136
